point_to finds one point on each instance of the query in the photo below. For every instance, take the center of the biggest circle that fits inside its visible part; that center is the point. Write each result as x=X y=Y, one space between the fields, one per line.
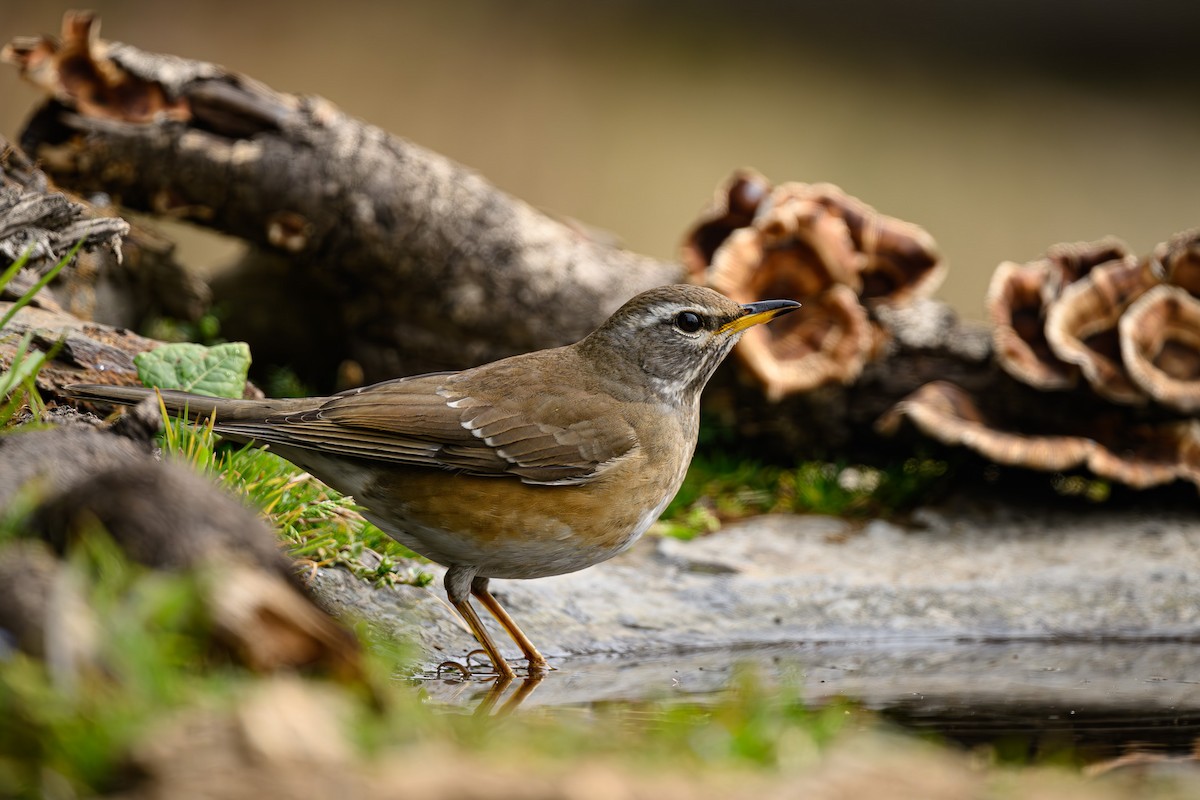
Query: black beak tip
x=780 y=307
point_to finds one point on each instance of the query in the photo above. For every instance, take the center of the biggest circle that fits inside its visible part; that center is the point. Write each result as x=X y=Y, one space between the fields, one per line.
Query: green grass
x=18 y=383
x=720 y=488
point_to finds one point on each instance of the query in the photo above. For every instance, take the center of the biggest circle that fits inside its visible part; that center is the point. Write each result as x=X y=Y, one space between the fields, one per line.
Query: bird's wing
x=534 y=430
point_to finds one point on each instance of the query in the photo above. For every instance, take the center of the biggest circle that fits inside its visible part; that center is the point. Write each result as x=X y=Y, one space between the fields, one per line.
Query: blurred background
x=1001 y=127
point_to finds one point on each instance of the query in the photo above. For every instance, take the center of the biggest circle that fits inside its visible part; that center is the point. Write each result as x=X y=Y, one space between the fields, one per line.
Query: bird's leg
x=459 y=589
x=537 y=661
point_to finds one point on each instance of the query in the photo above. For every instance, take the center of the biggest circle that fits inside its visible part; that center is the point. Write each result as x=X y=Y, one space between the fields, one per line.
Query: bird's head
x=675 y=336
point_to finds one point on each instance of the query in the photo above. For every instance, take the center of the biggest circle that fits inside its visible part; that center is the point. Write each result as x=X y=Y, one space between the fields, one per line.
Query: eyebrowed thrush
x=534 y=465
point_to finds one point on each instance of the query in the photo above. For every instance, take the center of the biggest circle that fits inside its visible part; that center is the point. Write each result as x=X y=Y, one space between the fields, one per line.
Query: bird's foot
x=539 y=666
x=453 y=665
x=480 y=654
x=483 y=667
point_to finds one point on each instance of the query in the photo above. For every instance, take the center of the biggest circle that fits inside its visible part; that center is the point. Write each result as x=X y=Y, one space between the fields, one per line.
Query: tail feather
x=185 y=404
x=178 y=404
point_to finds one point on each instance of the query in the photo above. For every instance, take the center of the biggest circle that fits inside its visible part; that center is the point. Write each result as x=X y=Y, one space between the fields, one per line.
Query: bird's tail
x=181 y=404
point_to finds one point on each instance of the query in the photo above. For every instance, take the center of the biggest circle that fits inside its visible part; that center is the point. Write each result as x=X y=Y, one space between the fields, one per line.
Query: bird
x=538 y=464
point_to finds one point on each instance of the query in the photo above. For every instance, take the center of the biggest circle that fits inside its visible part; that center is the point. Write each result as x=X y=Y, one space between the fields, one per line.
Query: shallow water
x=1027 y=698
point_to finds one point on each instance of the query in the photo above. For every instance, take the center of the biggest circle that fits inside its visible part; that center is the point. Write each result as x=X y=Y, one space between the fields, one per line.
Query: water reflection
x=1025 y=699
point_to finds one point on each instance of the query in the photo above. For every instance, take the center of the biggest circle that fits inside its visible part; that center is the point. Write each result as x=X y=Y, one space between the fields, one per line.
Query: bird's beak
x=758 y=313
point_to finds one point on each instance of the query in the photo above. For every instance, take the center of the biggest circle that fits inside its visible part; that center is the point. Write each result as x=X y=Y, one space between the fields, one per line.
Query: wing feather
x=460 y=421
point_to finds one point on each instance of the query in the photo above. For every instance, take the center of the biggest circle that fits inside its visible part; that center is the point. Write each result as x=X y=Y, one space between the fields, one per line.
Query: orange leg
x=485 y=640
x=537 y=662
x=458 y=579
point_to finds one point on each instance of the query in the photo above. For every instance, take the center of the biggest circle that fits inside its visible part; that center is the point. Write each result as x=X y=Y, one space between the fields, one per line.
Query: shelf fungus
x=1082 y=325
x=816 y=244
x=1177 y=261
x=1160 y=346
x=1140 y=456
x=1146 y=455
x=734 y=205
x=947 y=413
x=1019 y=298
x=1129 y=326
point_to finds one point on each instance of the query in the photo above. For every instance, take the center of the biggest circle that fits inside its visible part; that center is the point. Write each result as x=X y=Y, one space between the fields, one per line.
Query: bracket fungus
x=1139 y=455
x=948 y=413
x=1177 y=261
x=1016 y=305
x=1160 y=346
x=1129 y=326
x=734 y=205
x=1019 y=298
x=1081 y=325
x=814 y=243
x=1146 y=455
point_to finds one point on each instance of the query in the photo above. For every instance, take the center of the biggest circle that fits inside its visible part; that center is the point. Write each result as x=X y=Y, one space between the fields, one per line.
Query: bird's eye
x=688 y=321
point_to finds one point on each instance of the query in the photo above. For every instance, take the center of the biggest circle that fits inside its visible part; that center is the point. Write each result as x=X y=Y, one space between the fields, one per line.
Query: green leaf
x=217 y=371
